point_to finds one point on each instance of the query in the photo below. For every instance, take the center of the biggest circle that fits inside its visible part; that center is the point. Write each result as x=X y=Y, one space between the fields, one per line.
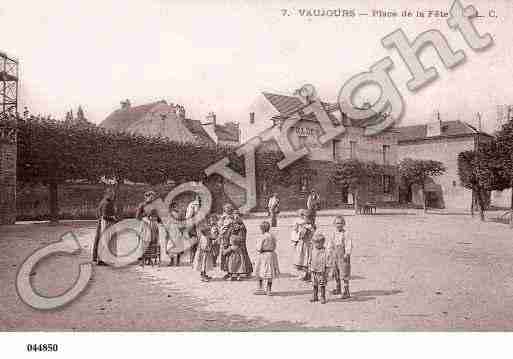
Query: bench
x=369 y=207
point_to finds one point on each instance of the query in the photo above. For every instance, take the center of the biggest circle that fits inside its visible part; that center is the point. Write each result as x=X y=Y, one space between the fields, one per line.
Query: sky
x=220 y=55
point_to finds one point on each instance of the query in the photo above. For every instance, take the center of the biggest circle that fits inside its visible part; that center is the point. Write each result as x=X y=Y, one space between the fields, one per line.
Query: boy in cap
x=319 y=268
x=339 y=248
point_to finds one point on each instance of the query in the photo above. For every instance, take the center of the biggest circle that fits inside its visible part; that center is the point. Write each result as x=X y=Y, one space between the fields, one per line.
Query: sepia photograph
x=234 y=166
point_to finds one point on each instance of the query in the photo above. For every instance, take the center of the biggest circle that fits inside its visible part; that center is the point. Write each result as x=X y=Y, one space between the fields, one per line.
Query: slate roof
x=288 y=105
x=198 y=131
x=227 y=133
x=449 y=129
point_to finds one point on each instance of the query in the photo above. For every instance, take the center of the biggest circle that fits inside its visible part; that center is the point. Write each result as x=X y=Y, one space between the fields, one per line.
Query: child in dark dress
x=203 y=256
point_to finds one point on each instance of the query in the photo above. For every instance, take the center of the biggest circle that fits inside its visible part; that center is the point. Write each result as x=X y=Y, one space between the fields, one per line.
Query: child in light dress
x=266 y=266
x=302 y=234
x=176 y=234
x=203 y=262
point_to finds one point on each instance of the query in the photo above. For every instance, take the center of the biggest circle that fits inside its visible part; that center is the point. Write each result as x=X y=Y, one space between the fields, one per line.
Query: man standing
x=273 y=208
x=313 y=204
x=106 y=217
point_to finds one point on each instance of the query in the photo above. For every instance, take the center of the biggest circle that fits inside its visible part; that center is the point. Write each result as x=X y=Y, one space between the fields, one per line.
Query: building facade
x=440 y=141
x=322 y=158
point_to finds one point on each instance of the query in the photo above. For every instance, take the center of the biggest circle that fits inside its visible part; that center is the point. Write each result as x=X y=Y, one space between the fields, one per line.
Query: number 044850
x=42 y=347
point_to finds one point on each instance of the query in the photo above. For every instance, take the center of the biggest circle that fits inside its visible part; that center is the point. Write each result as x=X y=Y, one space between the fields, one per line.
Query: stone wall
x=294 y=197
x=7 y=174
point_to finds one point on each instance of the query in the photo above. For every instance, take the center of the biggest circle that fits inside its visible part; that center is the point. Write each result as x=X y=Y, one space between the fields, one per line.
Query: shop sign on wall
x=306 y=131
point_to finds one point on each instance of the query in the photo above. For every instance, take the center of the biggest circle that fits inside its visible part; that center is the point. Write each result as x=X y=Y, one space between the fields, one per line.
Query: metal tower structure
x=8 y=86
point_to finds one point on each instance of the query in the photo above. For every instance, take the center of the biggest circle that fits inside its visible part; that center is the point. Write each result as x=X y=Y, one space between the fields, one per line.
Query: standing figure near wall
x=313 y=204
x=273 y=208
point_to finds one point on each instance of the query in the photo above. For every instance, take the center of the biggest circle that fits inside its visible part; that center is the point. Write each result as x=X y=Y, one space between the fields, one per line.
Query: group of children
x=318 y=256
x=315 y=255
x=209 y=248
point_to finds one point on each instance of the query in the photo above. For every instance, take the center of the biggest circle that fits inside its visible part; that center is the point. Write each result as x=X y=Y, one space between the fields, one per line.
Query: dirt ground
x=410 y=271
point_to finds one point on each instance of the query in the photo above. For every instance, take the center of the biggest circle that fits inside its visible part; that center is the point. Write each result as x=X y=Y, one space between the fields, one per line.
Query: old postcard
x=262 y=166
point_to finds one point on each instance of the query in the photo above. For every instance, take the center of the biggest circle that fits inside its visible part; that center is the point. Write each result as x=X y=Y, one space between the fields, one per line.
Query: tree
x=482 y=171
x=504 y=141
x=356 y=175
x=417 y=172
x=80 y=114
x=51 y=152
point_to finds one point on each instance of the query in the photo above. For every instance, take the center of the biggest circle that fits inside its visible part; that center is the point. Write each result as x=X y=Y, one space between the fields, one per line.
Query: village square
x=288 y=206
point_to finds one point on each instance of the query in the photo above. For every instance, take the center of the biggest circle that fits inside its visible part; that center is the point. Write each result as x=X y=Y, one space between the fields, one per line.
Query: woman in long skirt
x=246 y=267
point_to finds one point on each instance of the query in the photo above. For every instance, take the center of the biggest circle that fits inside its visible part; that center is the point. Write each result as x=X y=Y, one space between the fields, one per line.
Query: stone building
x=157 y=119
x=381 y=149
x=440 y=141
x=7 y=173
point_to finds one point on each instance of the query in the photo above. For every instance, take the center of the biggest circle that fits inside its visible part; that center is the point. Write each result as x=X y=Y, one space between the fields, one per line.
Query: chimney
x=180 y=111
x=212 y=118
x=251 y=118
x=210 y=126
x=434 y=128
x=125 y=104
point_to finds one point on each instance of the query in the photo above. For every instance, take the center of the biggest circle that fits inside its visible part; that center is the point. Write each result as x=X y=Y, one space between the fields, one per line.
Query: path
x=411 y=272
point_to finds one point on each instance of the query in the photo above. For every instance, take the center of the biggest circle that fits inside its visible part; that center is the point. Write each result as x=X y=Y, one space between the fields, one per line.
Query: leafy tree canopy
x=414 y=171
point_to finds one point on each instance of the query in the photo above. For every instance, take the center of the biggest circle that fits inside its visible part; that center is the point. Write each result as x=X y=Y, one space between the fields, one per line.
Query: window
x=353 y=149
x=304 y=184
x=336 y=145
x=302 y=141
x=386 y=151
x=388 y=182
x=454 y=183
x=264 y=186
